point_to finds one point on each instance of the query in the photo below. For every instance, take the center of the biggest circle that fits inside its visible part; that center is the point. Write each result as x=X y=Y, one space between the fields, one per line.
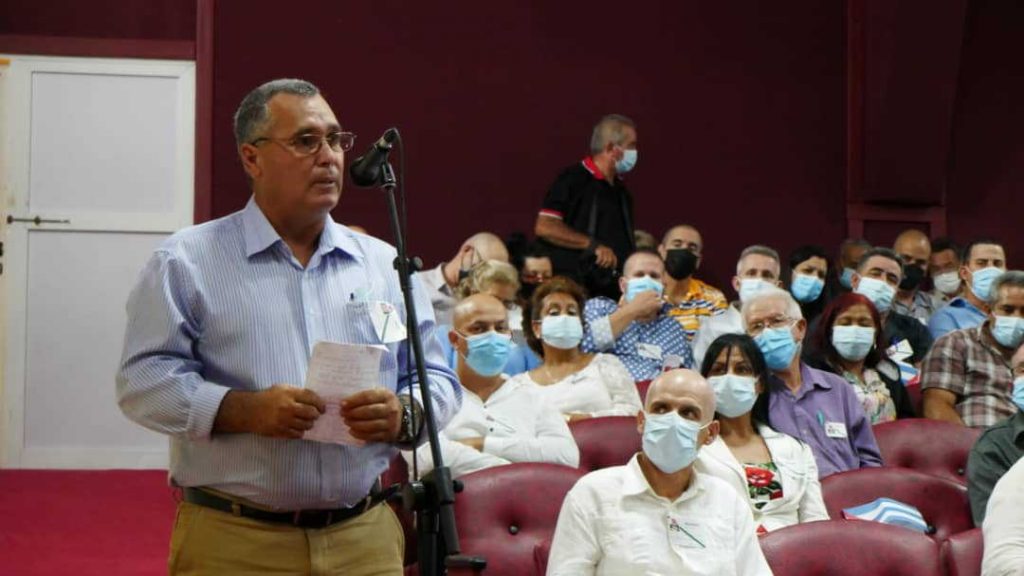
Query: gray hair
x=761 y=251
x=609 y=130
x=773 y=293
x=252 y=114
x=1008 y=279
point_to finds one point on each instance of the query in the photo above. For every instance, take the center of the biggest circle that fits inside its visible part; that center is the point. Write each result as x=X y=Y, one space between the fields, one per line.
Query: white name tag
x=652 y=351
x=686 y=534
x=835 y=429
x=386 y=322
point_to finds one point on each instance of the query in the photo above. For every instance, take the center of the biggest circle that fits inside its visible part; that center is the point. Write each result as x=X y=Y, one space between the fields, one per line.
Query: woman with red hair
x=850 y=343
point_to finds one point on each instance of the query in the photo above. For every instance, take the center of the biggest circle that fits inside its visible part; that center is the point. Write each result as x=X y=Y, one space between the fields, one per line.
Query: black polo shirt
x=995 y=452
x=571 y=198
x=902 y=327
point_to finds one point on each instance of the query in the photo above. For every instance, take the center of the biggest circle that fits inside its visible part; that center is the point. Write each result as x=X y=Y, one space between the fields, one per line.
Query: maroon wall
x=138 y=19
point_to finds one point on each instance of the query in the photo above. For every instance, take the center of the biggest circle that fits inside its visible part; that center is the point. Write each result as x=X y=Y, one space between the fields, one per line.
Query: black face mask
x=912 y=277
x=464 y=273
x=680 y=263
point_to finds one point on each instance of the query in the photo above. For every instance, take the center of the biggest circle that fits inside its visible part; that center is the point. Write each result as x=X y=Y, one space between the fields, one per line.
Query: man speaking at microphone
x=221 y=325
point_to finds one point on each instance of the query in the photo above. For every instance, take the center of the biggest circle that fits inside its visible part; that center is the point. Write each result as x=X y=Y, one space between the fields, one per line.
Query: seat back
x=932 y=446
x=540 y=558
x=962 y=553
x=606 y=441
x=641 y=388
x=943 y=503
x=504 y=512
x=914 y=393
x=841 y=548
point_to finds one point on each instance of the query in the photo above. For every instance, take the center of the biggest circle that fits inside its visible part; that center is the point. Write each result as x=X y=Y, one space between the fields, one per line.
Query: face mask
x=734 y=395
x=912 y=277
x=806 y=288
x=680 y=263
x=1018 y=392
x=847 y=278
x=778 y=346
x=880 y=293
x=1008 y=330
x=981 y=281
x=670 y=441
x=488 y=352
x=853 y=342
x=563 y=332
x=628 y=161
x=948 y=282
x=638 y=285
x=749 y=287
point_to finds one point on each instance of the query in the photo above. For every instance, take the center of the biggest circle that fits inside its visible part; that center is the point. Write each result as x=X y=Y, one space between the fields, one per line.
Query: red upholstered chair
x=931 y=446
x=914 y=391
x=641 y=387
x=606 y=441
x=504 y=512
x=943 y=503
x=962 y=553
x=540 y=557
x=398 y=473
x=841 y=548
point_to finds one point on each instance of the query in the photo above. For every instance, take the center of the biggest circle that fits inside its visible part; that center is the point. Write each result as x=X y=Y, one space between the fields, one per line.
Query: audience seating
x=932 y=446
x=503 y=513
x=641 y=387
x=961 y=553
x=540 y=557
x=398 y=473
x=840 y=548
x=606 y=441
x=914 y=392
x=942 y=502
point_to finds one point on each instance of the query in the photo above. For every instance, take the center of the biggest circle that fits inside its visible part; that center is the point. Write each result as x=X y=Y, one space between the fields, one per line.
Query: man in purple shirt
x=816 y=407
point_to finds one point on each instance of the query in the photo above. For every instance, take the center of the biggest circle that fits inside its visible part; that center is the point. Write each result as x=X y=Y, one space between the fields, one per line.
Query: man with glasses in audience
x=221 y=324
x=692 y=301
x=816 y=407
x=443 y=279
x=501 y=420
x=656 y=514
x=967 y=378
x=915 y=250
x=534 y=270
x=982 y=262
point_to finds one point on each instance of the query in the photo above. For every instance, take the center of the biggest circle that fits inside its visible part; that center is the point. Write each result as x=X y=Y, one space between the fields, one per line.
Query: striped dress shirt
x=226 y=306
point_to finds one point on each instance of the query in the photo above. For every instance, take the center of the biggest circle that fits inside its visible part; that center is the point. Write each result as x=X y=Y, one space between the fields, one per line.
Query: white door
x=102 y=153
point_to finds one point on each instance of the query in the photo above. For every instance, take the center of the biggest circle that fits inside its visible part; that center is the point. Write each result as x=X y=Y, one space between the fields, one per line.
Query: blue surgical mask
x=1018 y=392
x=981 y=281
x=563 y=332
x=750 y=287
x=778 y=346
x=847 y=278
x=627 y=163
x=879 y=292
x=734 y=394
x=1008 y=330
x=853 y=342
x=670 y=441
x=806 y=288
x=638 y=285
x=488 y=352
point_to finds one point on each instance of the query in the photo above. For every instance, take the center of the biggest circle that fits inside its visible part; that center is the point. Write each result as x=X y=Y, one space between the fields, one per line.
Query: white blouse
x=602 y=388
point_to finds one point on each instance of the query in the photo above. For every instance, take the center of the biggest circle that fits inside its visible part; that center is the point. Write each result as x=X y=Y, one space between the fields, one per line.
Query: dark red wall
x=139 y=19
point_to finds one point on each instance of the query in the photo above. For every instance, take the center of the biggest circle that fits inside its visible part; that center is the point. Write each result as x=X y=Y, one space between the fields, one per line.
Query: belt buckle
x=324 y=518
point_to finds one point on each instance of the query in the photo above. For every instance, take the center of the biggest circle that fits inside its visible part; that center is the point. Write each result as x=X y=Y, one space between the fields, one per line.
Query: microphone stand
x=433 y=496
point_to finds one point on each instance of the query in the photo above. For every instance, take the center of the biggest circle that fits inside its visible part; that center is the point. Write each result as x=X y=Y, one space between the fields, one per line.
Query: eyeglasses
x=309 y=144
x=756 y=328
x=536 y=278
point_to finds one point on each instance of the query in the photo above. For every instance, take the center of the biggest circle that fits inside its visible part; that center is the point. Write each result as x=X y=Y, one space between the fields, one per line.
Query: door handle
x=37 y=220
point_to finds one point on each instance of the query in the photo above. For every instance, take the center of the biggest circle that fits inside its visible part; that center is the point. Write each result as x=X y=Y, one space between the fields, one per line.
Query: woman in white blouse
x=774 y=472
x=577 y=384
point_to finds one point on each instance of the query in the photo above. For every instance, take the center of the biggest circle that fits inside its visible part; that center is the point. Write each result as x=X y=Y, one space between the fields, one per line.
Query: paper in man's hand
x=337 y=371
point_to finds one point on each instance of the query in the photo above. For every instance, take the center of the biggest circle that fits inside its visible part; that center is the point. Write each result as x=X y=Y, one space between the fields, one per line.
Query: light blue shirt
x=956 y=315
x=226 y=306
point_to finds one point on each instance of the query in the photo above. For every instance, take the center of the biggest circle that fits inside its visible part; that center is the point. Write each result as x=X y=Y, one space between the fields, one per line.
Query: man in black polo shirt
x=586 y=220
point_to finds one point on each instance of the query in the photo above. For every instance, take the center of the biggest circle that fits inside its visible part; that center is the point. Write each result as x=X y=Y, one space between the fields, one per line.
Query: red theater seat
x=398 y=473
x=962 y=553
x=914 y=392
x=540 y=557
x=931 y=446
x=840 y=548
x=943 y=503
x=503 y=513
x=641 y=388
x=606 y=441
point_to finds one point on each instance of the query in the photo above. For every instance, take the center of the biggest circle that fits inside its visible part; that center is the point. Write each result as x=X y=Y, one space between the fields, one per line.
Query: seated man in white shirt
x=499 y=422
x=656 y=515
x=1003 y=528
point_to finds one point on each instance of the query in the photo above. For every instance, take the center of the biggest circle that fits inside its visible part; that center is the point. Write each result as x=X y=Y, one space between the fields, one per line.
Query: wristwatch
x=412 y=420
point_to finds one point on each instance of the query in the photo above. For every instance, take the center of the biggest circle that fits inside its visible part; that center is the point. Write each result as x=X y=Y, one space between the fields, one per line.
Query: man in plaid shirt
x=967 y=376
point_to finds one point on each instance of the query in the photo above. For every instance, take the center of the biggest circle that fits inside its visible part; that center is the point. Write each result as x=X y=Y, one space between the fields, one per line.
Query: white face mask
x=948 y=282
x=750 y=287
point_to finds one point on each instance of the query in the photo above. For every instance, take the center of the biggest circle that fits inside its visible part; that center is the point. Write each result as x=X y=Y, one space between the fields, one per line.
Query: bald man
x=691 y=301
x=656 y=514
x=915 y=250
x=500 y=421
x=442 y=280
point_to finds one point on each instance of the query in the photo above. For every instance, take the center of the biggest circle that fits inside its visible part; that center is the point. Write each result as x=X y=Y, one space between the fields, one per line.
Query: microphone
x=365 y=170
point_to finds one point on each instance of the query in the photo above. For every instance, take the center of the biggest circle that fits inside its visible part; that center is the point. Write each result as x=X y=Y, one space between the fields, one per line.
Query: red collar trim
x=588 y=163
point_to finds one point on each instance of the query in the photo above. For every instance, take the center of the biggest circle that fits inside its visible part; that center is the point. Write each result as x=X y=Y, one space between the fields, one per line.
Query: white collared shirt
x=603 y=387
x=1003 y=528
x=442 y=297
x=612 y=522
x=516 y=425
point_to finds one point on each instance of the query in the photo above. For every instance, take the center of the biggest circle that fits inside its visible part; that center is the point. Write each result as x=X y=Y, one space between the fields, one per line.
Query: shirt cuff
x=205 y=405
x=601 y=330
x=497 y=446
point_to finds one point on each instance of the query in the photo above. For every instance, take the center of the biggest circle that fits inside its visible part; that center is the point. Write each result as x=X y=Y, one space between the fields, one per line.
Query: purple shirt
x=825 y=414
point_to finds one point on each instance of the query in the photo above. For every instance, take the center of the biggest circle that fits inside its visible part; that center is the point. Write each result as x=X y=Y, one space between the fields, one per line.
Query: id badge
x=386 y=322
x=652 y=351
x=835 y=430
